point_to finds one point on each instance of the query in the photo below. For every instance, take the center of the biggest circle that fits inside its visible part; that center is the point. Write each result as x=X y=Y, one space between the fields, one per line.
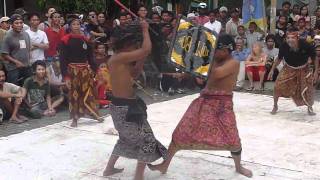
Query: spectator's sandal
x=250 y=88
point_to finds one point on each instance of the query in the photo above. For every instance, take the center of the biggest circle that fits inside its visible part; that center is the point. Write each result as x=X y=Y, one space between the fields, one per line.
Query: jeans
x=17 y=76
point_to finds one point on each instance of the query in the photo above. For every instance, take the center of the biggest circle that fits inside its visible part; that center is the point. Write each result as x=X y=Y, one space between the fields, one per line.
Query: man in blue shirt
x=241 y=54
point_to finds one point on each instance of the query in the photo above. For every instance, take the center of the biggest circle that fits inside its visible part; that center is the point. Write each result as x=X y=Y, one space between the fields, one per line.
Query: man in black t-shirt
x=296 y=78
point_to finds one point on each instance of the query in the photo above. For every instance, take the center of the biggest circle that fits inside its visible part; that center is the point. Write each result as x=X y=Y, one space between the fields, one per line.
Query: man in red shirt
x=54 y=34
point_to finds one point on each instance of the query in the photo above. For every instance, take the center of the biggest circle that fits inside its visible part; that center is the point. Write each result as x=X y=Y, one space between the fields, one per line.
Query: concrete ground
x=280 y=147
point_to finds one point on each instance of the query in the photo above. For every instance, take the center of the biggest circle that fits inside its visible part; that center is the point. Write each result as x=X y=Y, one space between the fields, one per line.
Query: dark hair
x=15 y=17
x=167 y=12
x=38 y=63
x=4 y=70
x=296 y=5
x=286 y=3
x=253 y=23
x=280 y=16
x=49 y=7
x=97 y=44
x=123 y=14
x=92 y=11
x=241 y=26
x=270 y=36
x=33 y=14
x=302 y=8
x=292 y=29
x=212 y=12
x=124 y=37
x=52 y=14
x=142 y=6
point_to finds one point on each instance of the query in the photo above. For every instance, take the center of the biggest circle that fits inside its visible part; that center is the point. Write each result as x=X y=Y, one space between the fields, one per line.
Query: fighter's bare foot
x=245 y=172
x=159 y=167
x=109 y=172
x=74 y=124
x=274 y=110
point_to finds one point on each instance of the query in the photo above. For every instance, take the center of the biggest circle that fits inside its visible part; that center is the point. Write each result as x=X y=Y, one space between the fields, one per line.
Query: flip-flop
x=250 y=89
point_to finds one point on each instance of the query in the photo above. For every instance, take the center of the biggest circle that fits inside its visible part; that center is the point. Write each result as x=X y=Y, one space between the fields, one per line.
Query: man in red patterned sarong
x=209 y=123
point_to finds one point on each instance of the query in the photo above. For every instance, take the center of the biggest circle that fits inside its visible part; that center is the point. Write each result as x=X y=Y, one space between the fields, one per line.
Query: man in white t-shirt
x=38 y=38
x=10 y=99
x=213 y=24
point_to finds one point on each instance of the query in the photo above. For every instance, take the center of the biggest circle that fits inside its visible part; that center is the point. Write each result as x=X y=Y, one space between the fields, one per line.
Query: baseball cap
x=191 y=15
x=4 y=19
x=15 y=17
x=223 y=8
x=202 y=5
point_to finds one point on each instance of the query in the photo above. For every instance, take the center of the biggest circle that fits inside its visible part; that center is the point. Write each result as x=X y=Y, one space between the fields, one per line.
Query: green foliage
x=74 y=6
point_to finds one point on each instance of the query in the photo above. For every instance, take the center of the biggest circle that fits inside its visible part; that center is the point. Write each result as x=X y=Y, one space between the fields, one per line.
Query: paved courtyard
x=280 y=147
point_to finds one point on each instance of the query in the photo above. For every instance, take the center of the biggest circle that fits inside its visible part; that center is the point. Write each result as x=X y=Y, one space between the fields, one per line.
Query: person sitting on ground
x=252 y=35
x=241 y=35
x=241 y=53
x=38 y=97
x=10 y=99
x=256 y=61
x=272 y=53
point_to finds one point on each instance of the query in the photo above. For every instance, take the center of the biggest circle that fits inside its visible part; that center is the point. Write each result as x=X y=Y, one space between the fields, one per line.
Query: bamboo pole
x=273 y=15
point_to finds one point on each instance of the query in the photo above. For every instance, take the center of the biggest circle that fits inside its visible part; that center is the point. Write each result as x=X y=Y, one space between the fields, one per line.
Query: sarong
x=81 y=95
x=208 y=124
x=296 y=83
x=136 y=139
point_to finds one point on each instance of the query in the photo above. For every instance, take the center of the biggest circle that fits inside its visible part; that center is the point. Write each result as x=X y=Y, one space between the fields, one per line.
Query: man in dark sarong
x=296 y=79
x=136 y=139
x=209 y=123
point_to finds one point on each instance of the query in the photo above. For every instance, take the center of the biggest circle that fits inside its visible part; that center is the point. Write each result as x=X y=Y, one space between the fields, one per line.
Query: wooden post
x=273 y=15
x=215 y=4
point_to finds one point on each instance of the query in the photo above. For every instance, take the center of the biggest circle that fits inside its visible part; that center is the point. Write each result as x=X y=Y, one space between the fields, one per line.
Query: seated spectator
x=256 y=61
x=156 y=18
x=304 y=13
x=10 y=100
x=252 y=35
x=303 y=31
x=272 y=54
x=129 y=18
x=241 y=54
x=242 y=35
x=38 y=98
x=100 y=54
x=317 y=74
x=213 y=24
x=166 y=16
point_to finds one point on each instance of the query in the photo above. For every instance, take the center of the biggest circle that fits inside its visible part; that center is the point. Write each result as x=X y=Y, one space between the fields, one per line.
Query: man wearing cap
x=233 y=23
x=209 y=123
x=16 y=51
x=4 y=27
x=202 y=18
x=223 y=18
x=296 y=77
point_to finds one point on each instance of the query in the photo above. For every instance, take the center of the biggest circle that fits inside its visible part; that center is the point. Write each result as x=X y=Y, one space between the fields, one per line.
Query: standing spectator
x=62 y=21
x=38 y=38
x=156 y=18
x=304 y=13
x=256 y=61
x=23 y=14
x=54 y=34
x=47 y=23
x=129 y=18
x=77 y=66
x=15 y=50
x=202 y=18
x=242 y=35
x=103 y=23
x=92 y=28
x=295 y=11
x=233 y=23
x=142 y=13
x=285 y=11
x=252 y=35
x=281 y=29
x=213 y=24
x=38 y=97
x=241 y=54
x=4 y=27
x=11 y=97
x=166 y=16
x=272 y=53
x=223 y=18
